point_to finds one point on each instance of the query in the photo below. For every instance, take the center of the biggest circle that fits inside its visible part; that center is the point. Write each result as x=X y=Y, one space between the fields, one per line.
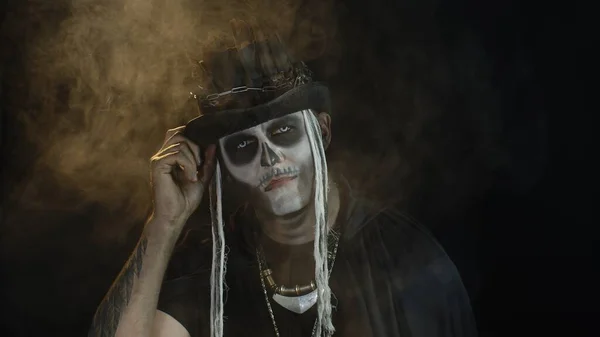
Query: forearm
x=129 y=307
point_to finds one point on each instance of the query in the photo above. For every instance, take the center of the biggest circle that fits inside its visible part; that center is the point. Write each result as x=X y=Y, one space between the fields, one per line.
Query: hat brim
x=209 y=128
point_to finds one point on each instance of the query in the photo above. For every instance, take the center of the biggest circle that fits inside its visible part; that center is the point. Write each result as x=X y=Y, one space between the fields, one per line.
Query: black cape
x=390 y=279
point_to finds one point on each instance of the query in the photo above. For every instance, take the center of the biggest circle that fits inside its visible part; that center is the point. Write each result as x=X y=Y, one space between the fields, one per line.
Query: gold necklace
x=297 y=290
x=260 y=256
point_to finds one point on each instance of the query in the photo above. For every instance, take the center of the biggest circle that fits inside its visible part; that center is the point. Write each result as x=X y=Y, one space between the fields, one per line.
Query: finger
x=169 y=140
x=168 y=161
x=186 y=152
x=171 y=132
x=169 y=148
x=208 y=168
x=178 y=137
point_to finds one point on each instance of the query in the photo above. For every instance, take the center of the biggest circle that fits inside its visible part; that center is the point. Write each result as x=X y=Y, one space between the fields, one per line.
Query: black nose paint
x=268 y=156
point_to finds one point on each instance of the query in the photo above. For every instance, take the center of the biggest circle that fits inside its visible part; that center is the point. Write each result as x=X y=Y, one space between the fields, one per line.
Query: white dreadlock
x=217 y=273
x=313 y=130
x=321 y=187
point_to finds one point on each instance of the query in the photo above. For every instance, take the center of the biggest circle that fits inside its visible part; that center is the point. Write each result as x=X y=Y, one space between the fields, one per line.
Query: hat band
x=213 y=99
x=281 y=82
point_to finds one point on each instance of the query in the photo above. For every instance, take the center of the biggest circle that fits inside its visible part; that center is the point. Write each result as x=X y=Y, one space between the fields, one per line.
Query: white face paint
x=274 y=161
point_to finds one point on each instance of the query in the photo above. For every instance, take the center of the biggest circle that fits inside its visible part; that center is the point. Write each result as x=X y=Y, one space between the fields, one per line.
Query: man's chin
x=287 y=208
x=285 y=205
x=290 y=211
x=284 y=200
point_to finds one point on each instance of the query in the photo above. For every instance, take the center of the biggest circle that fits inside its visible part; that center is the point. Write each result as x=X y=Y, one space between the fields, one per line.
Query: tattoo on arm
x=116 y=300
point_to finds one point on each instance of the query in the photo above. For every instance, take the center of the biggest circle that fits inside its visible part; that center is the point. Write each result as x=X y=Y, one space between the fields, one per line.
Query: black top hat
x=250 y=84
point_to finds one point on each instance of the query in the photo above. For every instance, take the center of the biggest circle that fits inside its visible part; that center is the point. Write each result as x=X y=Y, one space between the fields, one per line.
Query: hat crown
x=257 y=70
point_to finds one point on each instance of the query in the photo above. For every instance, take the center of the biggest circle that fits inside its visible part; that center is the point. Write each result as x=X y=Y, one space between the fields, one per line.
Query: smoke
x=417 y=117
x=421 y=118
x=112 y=76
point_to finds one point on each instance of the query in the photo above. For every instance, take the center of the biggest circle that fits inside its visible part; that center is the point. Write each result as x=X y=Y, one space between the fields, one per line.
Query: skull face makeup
x=274 y=162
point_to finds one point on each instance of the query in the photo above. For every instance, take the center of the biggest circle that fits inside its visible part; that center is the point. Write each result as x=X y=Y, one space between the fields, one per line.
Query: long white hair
x=218 y=287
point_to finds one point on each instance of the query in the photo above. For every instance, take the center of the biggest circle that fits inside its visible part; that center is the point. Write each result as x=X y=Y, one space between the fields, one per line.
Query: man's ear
x=325 y=123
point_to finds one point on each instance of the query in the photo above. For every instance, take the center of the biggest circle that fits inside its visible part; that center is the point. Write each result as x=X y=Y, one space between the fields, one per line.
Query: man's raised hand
x=179 y=177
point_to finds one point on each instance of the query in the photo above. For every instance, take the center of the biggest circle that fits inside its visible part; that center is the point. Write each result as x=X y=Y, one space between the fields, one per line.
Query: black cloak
x=390 y=279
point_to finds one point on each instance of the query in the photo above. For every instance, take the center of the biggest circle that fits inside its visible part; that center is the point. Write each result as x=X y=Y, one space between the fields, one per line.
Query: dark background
x=499 y=166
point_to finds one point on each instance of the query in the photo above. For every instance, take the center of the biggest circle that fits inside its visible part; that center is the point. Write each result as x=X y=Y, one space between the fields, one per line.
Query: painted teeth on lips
x=278 y=173
x=278 y=181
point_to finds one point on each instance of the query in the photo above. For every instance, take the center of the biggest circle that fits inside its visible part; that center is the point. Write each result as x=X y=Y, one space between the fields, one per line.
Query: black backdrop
x=500 y=171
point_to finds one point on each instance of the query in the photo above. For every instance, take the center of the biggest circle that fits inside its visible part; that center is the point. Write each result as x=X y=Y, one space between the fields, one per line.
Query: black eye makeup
x=241 y=148
x=282 y=129
x=244 y=143
x=286 y=131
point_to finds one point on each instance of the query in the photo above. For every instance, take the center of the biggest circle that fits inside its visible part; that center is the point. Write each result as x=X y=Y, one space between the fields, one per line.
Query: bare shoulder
x=167 y=326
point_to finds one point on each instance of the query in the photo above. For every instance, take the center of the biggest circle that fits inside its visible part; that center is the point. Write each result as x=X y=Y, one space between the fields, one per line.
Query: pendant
x=297 y=304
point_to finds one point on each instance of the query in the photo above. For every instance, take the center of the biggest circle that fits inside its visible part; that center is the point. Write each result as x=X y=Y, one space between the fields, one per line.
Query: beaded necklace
x=263 y=268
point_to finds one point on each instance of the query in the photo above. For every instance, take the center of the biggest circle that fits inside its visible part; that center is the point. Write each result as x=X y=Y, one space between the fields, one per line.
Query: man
x=301 y=256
